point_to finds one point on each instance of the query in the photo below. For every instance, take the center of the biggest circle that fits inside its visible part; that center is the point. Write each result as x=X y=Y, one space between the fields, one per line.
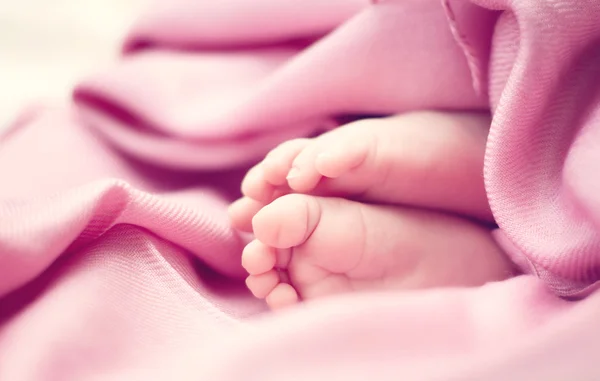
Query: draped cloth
x=117 y=260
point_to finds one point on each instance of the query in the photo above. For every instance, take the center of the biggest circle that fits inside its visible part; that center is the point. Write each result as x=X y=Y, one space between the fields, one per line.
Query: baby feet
x=425 y=159
x=309 y=247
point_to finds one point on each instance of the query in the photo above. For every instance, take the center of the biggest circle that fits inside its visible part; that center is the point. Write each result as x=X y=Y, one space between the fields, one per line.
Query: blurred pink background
x=46 y=46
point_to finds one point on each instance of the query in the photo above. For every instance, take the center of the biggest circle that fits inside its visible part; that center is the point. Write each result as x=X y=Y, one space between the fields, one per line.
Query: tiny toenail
x=293 y=173
x=324 y=156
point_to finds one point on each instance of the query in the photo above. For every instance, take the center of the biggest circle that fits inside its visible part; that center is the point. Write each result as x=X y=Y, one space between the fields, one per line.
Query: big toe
x=288 y=221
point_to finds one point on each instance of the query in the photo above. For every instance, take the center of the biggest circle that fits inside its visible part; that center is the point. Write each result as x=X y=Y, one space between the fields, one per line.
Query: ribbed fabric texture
x=117 y=261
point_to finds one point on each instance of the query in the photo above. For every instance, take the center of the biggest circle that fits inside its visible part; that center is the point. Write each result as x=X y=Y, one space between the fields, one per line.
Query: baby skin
x=395 y=203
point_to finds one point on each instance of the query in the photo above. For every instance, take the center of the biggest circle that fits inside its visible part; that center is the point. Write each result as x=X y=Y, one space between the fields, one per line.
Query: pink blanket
x=117 y=261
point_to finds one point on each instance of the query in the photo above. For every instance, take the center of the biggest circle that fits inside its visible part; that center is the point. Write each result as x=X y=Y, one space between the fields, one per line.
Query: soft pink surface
x=112 y=210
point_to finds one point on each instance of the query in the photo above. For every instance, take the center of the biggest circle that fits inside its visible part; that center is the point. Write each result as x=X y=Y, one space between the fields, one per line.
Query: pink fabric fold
x=222 y=99
x=543 y=145
x=116 y=257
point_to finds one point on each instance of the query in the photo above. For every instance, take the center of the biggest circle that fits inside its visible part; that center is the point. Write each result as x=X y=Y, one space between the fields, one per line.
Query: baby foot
x=425 y=159
x=308 y=247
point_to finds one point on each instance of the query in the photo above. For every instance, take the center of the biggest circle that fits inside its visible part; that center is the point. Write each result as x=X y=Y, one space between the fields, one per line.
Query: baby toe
x=262 y=285
x=255 y=185
x=342 y=156
x=278 y=162
x=303 y=175
x=258 y=258
x=287 y=221
x=283 y=295
x=241 y=213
